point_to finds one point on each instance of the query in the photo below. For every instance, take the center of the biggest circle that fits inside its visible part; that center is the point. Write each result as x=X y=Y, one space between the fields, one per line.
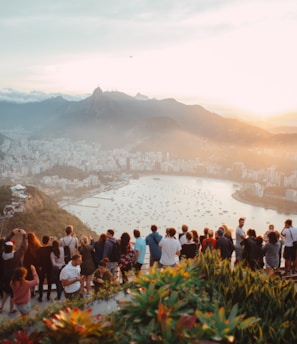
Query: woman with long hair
x=22 y=288
x=271 y=253
x=30 y=258
x=58 y=262
x=127 y=254
x=99 y=248
x=86 y=249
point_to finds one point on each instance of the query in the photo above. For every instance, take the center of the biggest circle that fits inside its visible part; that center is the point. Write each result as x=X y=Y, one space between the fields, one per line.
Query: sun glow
x=239 y=55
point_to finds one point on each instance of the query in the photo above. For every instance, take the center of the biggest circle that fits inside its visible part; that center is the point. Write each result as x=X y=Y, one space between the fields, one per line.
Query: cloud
x=223 y=51
x=11 y=95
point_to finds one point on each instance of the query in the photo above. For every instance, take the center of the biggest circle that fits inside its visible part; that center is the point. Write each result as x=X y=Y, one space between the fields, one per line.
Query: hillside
x=43 y=216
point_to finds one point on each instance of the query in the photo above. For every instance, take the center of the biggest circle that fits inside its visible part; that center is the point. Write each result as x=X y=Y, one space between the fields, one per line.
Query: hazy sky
x=217 y=53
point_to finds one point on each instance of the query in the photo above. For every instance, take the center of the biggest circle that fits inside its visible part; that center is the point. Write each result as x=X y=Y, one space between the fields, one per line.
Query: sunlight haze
x=219 y=54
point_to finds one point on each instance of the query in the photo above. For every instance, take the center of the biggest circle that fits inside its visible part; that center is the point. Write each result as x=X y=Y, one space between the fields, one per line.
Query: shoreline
x=238 y=197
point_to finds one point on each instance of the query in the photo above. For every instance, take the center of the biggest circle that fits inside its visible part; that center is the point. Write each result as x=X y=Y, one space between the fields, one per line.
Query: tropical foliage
x=199 y=301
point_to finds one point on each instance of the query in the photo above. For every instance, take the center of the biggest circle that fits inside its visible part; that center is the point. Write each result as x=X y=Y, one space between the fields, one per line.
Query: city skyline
x=230 y=57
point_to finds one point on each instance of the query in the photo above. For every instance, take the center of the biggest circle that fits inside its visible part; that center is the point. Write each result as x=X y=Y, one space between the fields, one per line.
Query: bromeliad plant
x=168 y=307
x=77 y=326
x=216 y=326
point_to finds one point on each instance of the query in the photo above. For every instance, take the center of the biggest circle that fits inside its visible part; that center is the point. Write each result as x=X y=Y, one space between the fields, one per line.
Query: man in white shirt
x=70 y=278
x=170 y=247
x=239 y=237
x=290 y=235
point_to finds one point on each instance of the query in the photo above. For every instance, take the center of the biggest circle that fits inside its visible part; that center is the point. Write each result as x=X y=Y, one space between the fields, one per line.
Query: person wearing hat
x=10 y=260
x=224 y=244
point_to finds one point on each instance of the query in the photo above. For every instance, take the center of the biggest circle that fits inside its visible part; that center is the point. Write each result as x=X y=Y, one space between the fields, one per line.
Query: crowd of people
x=78 y=265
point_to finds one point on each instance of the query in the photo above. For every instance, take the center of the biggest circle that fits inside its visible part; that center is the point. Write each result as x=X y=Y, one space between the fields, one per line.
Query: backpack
x=67 y=252
x=115 y=251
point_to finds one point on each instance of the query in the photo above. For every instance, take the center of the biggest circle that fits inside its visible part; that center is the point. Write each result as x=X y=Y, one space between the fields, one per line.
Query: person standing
x=152 y=240
x=30 y=256
x=58 y=262
x=170 y=248
x=239 y=237
x=110 y=245
x=224 y=244
x=270 y=229
x=99 y=248
x=189 y=248
x=139 y=251
x=70 y=240
x=22 y=288
x=182 y=236
x=88 y=266
x=290 y=235
x=71 y=279
x=44 y=267
x=252 y=250
x=271 y=253
x=127 y=254
x=209 y=243
x=11 y=259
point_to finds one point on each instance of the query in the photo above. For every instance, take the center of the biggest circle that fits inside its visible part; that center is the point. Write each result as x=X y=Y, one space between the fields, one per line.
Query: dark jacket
x=225 y=246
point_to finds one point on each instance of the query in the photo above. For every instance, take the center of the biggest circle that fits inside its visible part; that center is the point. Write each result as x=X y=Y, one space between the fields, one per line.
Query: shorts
x=24 y=309
x=75 y=295
x=7 y=288
x=289 y=253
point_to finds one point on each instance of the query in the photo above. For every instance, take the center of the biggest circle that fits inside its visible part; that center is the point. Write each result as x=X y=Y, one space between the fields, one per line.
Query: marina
x=170 y=201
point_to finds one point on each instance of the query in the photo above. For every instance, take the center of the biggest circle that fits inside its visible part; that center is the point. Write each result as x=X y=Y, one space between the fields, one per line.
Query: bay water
x=170 y=201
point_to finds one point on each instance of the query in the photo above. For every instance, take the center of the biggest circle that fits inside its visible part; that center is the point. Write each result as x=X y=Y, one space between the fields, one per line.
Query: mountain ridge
x=116 y=119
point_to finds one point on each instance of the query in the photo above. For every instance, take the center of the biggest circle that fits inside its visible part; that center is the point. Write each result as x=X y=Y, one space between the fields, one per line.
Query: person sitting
x=22 y=289
x=102 y=276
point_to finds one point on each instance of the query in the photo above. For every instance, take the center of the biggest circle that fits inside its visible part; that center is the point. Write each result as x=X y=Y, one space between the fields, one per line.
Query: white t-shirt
x=70 y=241
x=239 y=233
x=290 y=235
x=183 y=239
x=70 y=273
x=169 y=247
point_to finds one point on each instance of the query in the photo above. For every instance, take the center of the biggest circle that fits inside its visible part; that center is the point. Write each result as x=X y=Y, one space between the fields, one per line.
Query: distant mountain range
x=115 y=120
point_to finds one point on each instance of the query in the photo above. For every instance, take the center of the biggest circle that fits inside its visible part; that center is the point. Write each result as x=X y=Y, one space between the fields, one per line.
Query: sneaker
x=40 y=299
x=13 y=311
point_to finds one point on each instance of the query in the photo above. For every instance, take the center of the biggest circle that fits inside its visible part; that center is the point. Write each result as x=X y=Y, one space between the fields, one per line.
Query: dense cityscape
x=27 y=161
